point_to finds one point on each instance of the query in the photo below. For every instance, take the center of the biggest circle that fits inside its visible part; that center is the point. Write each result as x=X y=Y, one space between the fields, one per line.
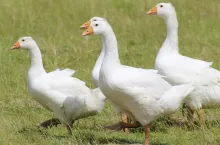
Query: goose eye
x=161 y=6
x=23 y=40
x=96 y=24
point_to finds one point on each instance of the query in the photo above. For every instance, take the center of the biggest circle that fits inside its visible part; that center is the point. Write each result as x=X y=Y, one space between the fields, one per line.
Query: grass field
x=54 y=24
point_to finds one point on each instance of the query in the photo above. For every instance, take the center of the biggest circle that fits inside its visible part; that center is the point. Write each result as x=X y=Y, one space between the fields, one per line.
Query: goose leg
x=130 y=125
x=147 y=134
x=69 y=129
x=50 y=123
x=121 y=125
x=115 y=127
x=124 y=119
x=183 y=109
x=190 y=113
x=200 y=113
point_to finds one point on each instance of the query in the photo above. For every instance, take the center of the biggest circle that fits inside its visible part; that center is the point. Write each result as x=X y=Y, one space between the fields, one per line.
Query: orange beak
x=85 y=25
x=88 y=31
x=152 y=11
x=16 y=46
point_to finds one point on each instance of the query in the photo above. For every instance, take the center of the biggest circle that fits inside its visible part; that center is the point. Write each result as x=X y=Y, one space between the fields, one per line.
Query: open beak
x=16 y=46
x=85 y=25
x=88 y=31
x=152 y=11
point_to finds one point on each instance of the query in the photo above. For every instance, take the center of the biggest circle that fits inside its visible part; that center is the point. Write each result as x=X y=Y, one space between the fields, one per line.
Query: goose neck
x=172 y=32
x=101 y=57
x=36 y=57
x=111 y=47
x=97 y=67
x=36 y=61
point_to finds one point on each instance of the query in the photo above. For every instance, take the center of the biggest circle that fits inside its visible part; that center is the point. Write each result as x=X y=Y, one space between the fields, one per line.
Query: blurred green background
x=54 y=24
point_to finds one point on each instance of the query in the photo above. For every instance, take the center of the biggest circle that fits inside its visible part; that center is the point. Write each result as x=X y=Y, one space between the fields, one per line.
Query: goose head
x=24 y=43
x=88 y=23
x=163 y=10
x=97 y=27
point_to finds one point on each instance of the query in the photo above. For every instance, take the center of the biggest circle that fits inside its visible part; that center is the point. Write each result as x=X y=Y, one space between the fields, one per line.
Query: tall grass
x=54 y=24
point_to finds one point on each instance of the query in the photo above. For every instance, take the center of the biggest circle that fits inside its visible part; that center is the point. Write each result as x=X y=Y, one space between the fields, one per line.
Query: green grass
x=54 y=24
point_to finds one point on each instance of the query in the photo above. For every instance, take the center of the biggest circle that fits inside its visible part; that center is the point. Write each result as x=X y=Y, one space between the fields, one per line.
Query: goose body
x=179 y=69
x=67 y=97
x=64 y=95
x=141 y=94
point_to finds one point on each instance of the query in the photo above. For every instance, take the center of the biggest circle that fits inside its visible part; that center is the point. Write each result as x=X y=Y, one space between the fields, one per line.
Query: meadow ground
x=54 y=24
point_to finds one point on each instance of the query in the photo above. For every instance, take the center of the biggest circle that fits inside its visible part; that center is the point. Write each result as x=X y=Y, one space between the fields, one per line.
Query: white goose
x=142 y=94
x=180 y=69
x=67 y=97
x=96 y=68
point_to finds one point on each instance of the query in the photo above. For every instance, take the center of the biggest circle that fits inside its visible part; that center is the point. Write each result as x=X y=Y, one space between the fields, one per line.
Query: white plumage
x=179 y=69
x=67 y=97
